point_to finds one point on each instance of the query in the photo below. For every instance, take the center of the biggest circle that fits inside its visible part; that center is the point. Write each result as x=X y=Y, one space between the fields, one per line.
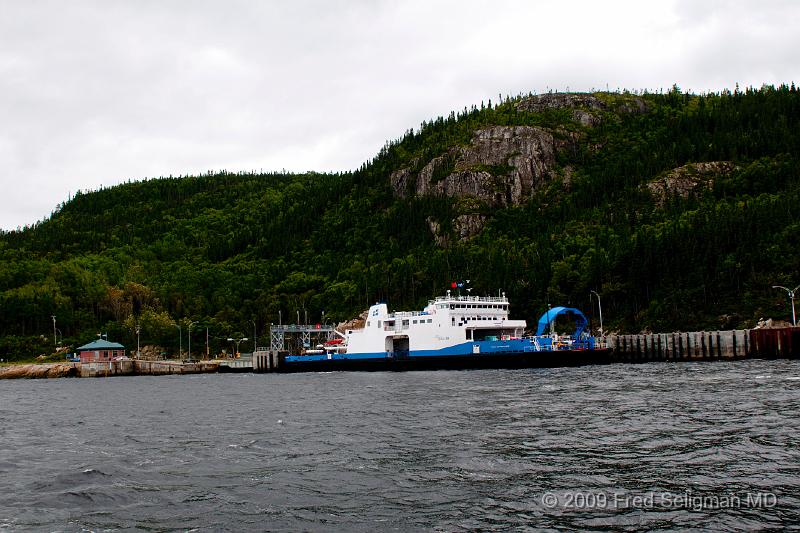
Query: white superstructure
x=446 y=321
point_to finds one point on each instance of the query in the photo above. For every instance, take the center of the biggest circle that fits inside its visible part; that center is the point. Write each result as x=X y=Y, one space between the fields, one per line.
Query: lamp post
x=180 y=340
x=55 y=340
x=190 y=338
x=236 y=342
x=138 y=351
x=791 y=293
x=255 y=336
x=600 y=306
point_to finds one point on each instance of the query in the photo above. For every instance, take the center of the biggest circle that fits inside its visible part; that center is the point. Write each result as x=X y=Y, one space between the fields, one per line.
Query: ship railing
x=492 y=299
x=406 y=314
x=546 y=343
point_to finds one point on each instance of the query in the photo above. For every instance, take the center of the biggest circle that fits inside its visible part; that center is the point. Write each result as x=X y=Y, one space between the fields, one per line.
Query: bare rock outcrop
x=355 y=323
x=52 y=370
x=584 y=106
x=501 y=166
x=683 y=181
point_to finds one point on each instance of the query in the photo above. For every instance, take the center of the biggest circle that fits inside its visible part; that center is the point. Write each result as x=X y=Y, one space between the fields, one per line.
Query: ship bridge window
x=379 y=323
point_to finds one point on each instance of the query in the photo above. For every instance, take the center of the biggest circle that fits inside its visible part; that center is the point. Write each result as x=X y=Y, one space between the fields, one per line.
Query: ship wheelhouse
x=480 y=317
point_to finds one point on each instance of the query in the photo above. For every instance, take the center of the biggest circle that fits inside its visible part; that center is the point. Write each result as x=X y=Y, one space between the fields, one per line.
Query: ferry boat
x=452 y=331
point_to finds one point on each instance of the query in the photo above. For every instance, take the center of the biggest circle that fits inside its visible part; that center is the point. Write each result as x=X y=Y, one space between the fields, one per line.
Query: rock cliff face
x=682 y=181
x=503 y=166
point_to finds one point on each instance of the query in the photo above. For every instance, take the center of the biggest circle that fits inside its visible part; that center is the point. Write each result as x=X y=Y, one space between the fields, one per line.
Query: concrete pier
x=267 y=360
x=136 y=367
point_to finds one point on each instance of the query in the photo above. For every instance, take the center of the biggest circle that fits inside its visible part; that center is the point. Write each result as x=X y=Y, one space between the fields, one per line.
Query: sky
x=96 y=93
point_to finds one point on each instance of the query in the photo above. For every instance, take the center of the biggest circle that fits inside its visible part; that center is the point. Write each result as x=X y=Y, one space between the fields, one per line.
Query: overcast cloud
x=98 y=92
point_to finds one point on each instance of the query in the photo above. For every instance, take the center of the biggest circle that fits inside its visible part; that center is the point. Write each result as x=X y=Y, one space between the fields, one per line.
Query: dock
x=781 y=343
x=767 y=343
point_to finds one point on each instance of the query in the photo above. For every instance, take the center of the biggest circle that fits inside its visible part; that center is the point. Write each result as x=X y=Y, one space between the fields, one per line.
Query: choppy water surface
x=578 y=448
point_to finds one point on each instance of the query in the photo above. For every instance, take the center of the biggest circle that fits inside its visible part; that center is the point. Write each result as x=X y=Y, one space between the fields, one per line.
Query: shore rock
x=52 y=370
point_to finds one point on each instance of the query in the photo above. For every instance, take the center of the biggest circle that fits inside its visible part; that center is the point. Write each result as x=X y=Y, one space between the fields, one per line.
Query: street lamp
x=190 y=338
x=236 y=341
x=180 y=340
x=138 y=351
x=600 y=306
x=55 y=340
x=791 y=297
x=255 y=336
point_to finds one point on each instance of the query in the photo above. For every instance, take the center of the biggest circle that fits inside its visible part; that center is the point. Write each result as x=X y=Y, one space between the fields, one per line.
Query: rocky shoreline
x=40 y=371
x=114 y=368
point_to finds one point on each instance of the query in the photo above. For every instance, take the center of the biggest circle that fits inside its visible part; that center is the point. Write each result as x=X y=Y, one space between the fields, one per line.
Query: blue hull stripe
x=513 y=346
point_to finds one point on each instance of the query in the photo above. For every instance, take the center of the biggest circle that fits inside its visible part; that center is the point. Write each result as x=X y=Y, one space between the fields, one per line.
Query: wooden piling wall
x=683 y=346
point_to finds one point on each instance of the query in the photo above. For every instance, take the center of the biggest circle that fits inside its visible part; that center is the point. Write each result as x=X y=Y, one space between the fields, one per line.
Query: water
x=445 y=451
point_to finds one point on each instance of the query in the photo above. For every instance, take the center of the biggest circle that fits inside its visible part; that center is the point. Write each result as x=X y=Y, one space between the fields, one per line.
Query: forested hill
x=680 y=210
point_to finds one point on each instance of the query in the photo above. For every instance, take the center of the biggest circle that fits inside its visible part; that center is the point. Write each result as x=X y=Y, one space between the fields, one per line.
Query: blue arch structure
x=551 y=314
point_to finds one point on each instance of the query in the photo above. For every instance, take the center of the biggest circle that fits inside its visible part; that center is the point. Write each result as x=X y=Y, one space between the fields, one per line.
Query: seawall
x=137 y=367
x=112 y=368
x=707 y=345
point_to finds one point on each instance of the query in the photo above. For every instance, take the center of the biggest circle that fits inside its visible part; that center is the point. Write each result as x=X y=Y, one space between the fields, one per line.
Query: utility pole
x=255 y=336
